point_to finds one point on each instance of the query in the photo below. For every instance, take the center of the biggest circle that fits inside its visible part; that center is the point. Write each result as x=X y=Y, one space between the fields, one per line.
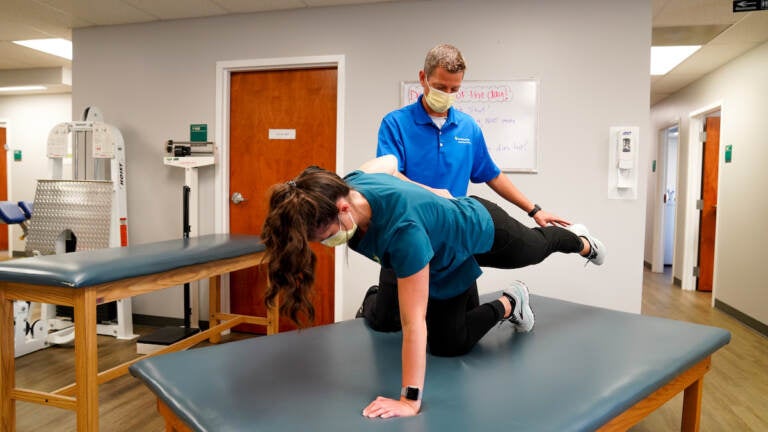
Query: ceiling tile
x=168 y=10
x=685 y=35
x=752 y=28
x=37 y=17
x=711 y=57
x=14 y=30
x=694 y=12
x=246 y=6
x=13 y=56
x=322 y=3
x=100 y=12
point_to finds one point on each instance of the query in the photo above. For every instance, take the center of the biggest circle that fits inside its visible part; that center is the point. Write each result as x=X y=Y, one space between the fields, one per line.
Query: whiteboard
x=507 y=113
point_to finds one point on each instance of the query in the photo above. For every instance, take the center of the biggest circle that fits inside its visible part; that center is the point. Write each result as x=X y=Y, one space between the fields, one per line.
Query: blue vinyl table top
x=580 y=367
x=94 y=267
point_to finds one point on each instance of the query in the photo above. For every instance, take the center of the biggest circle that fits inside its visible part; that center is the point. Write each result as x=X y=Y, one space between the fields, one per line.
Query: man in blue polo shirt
x=442 y=148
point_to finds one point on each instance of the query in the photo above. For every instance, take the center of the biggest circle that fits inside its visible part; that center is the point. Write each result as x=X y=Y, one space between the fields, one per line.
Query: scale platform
x=163 y=337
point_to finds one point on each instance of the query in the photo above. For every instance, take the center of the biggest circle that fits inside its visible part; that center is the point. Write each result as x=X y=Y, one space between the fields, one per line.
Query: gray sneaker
x=522 y=315
x=597 y=250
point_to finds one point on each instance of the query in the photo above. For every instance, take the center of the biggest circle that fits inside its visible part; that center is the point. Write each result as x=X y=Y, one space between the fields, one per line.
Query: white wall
x=28 y=120
x=742 y=206
x=153 y=80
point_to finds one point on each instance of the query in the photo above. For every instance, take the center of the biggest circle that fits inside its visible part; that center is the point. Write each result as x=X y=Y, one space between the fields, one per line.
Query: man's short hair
x=445 y=56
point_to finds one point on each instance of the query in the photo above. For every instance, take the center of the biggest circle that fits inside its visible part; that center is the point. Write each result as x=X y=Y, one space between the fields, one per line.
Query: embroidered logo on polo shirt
x=460 y=140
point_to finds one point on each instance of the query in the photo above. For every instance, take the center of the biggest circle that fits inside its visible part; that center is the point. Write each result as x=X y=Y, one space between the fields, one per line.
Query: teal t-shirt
x=411 y=227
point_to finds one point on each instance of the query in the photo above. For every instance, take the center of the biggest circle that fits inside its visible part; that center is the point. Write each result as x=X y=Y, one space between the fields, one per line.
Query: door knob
x=237 y=198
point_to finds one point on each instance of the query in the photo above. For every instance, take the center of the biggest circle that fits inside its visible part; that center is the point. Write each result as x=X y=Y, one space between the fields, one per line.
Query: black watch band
x=535 y=210
x=411 y=393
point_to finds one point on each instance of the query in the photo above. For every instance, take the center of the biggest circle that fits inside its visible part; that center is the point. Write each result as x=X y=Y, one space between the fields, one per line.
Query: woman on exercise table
x=435 y=245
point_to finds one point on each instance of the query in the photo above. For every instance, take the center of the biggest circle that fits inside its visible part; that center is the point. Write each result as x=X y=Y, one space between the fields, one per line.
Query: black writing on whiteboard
x=507 y=113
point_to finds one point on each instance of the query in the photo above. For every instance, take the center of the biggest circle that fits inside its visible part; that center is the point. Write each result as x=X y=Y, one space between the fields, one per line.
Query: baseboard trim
x=744 y=318
x=158 y=321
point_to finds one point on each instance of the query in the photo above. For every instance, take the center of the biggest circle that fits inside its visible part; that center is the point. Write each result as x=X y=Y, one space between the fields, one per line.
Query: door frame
x=693 y=193
x=224 y=70
x=6 y=124
x=657 y=254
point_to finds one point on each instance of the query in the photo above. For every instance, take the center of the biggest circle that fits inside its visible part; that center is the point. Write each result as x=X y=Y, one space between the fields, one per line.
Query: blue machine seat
x=27 y=207
x=10 y=213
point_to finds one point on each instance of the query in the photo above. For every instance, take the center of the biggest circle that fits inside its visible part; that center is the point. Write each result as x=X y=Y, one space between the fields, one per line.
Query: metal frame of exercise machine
x=86 y=163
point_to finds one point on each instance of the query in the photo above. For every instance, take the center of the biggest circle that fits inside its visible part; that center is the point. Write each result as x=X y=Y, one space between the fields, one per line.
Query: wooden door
x=280 y=104
x=3 y=187
x=708 y=216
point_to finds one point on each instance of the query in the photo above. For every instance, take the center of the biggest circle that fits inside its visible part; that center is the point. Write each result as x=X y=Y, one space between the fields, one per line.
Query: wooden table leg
x=214 y=306
x=273 y=315
x=7 y=365
x=692 y=406
x=86 y=361
x=172 y=422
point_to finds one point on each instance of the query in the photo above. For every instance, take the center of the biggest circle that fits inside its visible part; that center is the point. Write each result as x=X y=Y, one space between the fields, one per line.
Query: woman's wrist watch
x=535 y=210
x=411 y=393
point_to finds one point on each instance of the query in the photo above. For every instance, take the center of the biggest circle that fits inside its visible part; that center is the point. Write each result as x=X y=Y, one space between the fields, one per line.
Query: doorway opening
x=701 y=199
x=670 y=195
x=666 y=208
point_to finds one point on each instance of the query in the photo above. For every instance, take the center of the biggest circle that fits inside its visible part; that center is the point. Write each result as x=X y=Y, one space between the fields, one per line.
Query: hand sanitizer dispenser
x=622 y=178
x=625 y=142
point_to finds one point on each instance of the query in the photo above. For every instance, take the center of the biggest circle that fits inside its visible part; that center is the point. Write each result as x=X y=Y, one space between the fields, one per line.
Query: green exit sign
x=198 y=132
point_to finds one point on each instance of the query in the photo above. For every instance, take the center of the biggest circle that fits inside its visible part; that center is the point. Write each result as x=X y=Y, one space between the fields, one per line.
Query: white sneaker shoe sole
x=582 y=231
x=522 y=311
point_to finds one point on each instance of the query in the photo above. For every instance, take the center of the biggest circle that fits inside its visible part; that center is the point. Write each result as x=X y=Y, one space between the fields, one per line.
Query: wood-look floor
x=735 y=390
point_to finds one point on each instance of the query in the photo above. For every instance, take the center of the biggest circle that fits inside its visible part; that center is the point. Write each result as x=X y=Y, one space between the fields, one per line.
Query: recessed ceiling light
x=22 y=88
x=666 y=58
x=57 y=47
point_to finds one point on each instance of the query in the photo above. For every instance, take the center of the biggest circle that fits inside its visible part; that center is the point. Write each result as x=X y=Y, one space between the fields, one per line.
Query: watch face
x=412 y=393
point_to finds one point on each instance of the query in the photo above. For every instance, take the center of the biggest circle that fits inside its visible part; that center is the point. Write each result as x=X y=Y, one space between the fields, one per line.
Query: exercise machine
x=82 y=206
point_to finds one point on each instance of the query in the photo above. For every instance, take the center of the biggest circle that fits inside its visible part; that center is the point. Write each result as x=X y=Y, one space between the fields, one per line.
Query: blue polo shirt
x=411 y=227
x=447 y=158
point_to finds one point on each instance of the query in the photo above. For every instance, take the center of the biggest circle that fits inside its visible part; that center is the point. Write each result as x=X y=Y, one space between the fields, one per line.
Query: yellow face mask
x=342 y=236
x=439 y=100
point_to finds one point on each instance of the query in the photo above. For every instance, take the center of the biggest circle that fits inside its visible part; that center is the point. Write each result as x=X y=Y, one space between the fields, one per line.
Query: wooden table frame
x=691 y=382
x=83 y=396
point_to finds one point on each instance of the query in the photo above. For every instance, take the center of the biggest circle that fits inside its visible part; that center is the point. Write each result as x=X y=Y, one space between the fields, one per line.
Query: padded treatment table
x=85 y=279
x=582 y=368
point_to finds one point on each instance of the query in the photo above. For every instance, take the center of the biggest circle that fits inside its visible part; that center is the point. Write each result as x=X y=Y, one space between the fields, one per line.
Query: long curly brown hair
x=297 y=210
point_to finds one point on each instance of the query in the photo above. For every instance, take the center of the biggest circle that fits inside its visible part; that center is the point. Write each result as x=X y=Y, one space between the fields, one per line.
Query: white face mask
x=439 y=100
x=341 y=236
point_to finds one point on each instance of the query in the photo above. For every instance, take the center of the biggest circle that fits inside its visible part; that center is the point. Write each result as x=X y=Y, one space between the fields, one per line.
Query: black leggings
x=455 y=325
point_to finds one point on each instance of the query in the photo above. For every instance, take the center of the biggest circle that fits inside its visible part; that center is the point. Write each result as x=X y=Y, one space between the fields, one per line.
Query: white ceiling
x=723 y=34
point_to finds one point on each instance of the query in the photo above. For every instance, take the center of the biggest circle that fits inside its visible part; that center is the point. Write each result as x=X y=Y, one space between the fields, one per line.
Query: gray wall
x=742 y=205
x=591 y=57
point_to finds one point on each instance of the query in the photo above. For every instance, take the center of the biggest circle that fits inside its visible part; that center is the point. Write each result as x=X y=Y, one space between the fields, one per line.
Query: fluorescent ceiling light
x=57 y=47
x=666 y=58
x=22 y=88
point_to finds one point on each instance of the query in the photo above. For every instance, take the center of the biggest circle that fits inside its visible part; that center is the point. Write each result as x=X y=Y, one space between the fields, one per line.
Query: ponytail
x=297 y=210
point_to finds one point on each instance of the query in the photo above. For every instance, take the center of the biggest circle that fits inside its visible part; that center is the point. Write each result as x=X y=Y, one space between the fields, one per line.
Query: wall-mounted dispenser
x=623 y=162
